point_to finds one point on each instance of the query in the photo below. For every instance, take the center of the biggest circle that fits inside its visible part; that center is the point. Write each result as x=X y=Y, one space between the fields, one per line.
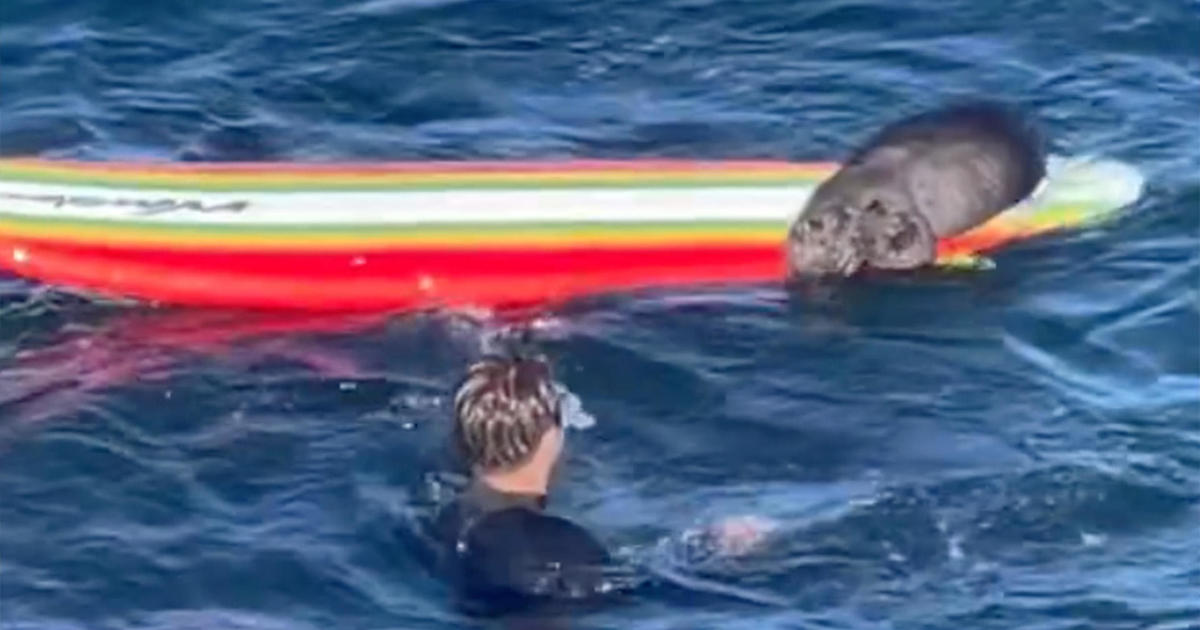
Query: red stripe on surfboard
x=979 y=241
x=401 y=262
x=398 y=278
x=232 y=286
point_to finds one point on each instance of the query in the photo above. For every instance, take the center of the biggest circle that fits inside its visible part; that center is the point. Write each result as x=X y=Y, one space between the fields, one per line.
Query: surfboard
x=414 y=235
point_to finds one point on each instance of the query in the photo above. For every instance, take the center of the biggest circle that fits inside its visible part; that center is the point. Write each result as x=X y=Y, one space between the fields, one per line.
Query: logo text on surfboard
x=142 y=207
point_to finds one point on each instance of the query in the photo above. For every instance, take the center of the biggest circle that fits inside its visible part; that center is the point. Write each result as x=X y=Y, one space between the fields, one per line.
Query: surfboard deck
x=388 y=236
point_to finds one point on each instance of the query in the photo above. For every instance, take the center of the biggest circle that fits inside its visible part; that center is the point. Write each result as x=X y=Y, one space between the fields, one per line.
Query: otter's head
x=838 y=234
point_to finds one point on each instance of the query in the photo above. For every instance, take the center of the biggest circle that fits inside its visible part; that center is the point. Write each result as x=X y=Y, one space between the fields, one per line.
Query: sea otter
x=925 y=177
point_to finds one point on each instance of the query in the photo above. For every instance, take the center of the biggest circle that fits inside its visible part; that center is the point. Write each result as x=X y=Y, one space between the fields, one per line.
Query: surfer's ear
x=896 y=238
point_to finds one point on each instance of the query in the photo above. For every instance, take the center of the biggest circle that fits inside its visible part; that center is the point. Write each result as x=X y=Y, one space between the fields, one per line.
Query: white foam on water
x=574 y=416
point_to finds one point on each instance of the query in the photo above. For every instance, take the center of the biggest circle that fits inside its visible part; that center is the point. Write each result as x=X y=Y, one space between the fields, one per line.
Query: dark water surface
x=1013 y=449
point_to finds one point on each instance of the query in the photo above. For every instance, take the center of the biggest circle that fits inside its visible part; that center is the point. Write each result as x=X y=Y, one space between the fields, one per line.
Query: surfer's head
x=508 y=418
x=854 y=221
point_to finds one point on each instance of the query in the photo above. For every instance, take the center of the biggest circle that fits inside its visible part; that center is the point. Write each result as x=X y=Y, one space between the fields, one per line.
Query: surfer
x=925 y=177
x=498 y=545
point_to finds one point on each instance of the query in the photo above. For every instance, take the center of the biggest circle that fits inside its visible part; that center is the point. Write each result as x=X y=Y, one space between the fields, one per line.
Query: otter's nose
x=823 y=246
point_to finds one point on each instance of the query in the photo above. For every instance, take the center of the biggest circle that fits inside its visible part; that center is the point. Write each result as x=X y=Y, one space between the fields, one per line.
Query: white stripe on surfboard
x=775 y=204
x=1104 y=184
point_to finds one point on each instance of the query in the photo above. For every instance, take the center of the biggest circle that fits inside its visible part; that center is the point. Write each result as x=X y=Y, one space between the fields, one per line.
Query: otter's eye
x=904 y=238
x=876 y=208
x=816 y=224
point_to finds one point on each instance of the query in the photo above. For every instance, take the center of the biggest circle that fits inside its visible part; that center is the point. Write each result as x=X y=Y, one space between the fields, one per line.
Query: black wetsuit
x=505 y=553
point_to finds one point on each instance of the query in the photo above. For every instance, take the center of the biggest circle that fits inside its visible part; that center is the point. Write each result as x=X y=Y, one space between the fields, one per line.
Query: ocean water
x=1012 y=449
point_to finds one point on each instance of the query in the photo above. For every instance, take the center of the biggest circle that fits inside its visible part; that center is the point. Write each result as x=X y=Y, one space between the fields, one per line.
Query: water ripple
x=1019 y=448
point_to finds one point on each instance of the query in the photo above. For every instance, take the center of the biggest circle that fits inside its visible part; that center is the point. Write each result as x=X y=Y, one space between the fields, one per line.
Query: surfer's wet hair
x=502 y=409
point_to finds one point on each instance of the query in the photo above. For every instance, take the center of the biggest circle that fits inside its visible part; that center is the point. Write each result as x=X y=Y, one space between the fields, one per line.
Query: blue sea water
x=1012 y=449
